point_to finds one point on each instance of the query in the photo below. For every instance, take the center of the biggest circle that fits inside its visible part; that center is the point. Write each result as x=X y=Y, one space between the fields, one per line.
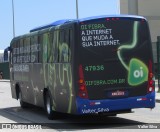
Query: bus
x=97 y=65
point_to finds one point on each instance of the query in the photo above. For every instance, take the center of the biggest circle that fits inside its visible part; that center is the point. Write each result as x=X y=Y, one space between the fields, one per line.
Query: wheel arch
x=45 y=91
x=17 y=89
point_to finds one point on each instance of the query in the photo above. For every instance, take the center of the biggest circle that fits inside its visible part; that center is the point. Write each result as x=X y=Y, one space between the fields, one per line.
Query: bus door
x=26 y=61
x=11 y=64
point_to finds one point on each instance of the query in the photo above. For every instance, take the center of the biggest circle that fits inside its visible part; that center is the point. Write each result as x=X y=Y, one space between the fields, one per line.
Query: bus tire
x=22 y=103
x=48 y=107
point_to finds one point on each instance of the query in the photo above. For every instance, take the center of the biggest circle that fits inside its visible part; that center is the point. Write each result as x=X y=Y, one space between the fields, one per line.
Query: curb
x=158 y=100
x=3 y=80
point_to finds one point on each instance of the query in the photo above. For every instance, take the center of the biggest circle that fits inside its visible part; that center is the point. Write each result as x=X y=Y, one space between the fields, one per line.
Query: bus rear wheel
x=48 y=107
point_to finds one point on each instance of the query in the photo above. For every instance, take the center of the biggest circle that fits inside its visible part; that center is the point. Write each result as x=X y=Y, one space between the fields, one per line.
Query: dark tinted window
x=108 y=39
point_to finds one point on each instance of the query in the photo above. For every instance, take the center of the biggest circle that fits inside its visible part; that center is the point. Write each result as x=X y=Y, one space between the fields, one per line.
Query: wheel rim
x=20 y=97
x=48 y=106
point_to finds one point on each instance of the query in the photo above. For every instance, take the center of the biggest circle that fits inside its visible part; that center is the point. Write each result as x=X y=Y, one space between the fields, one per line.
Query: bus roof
x=110 y=16
x=63 y=21
x=56 y=23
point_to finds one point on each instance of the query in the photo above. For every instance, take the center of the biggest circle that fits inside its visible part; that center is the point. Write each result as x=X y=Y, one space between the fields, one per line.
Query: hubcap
x=20 y=96
x=48 y=105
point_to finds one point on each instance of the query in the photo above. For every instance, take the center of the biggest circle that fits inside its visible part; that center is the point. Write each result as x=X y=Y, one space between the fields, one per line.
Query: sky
x=29 y=14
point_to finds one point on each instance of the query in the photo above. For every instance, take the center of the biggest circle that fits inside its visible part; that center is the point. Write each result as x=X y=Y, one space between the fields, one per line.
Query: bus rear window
x=102 y=38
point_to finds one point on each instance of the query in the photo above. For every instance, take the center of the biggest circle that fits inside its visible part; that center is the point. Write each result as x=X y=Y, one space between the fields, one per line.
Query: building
x=1 y=56
x=149 y=9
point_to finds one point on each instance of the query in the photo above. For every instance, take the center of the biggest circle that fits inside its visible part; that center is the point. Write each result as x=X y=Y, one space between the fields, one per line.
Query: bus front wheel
x=22 y=103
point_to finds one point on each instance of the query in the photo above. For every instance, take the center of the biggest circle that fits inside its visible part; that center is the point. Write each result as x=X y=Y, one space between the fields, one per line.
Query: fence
x=4 y=67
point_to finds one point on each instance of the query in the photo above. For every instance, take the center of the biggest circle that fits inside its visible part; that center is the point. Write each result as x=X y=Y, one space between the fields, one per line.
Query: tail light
x=112 y=19
x=82 y=92
x=150 y=78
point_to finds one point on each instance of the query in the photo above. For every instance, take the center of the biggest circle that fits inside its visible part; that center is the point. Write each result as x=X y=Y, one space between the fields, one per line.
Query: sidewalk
x=157 y=94
x=4 y=80
x=158 y=97
x=156 y=89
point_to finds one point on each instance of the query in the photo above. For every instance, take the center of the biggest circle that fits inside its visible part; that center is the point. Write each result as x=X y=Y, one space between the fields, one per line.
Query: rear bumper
x=85 y=106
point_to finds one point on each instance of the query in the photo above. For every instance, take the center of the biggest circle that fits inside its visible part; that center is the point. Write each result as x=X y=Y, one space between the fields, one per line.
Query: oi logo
x=138 y=72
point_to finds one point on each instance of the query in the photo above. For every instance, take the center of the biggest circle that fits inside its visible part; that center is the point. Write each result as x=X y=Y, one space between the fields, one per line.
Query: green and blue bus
x=97 y=65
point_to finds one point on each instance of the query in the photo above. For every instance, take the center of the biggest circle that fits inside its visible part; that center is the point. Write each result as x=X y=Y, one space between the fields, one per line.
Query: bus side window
x=45 y=45
x=40 y=48
x=67 y=44
x=11 y=55
x=64 y=46
x=50 y=48
x=55 y=46
x=26 y=50
x=70 y=44
x=14 y=53
x=34 y=49
x=21 y=51
x=17 y=52
x=60 y=46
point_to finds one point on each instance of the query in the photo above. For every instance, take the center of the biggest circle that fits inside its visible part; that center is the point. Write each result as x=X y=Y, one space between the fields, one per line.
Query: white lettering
x=98 y=110
x=97 y=35
x=21 y=68
x=138 y=73
x=83 y=33
x=87 y=44
x=86 y=38
x=85 y=111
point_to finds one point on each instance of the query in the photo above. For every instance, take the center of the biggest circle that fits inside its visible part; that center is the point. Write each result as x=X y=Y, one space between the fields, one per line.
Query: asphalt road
x=11 y=112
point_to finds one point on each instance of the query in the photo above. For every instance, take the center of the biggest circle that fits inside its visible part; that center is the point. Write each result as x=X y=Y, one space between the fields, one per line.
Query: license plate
x=117 y=93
